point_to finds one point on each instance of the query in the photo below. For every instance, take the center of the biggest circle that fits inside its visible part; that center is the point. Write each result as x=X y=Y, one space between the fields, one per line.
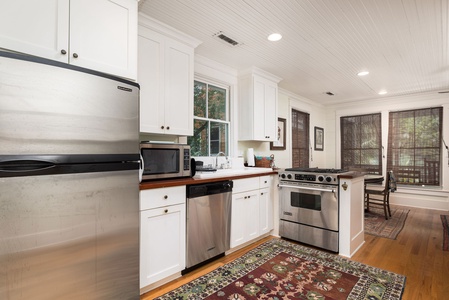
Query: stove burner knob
x=283 y=176
x=328 y=179
x=289 y=176
x=320 y=178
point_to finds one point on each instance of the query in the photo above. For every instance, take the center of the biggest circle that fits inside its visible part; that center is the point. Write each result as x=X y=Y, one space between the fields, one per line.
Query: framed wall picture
x=319 y=139
x=279 y=144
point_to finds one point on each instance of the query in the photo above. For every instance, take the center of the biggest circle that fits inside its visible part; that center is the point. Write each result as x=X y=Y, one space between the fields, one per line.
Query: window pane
x=218 y=138
x=199 y=141
x=361 y=145
x=414 y=146
x=199 y=98
x=217 y=103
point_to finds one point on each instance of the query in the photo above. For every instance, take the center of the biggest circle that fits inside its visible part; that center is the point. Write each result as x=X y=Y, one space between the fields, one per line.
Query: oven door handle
x=307 y=188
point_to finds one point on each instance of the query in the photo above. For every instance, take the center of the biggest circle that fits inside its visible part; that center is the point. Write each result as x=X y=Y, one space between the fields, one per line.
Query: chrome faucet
x=216 y=158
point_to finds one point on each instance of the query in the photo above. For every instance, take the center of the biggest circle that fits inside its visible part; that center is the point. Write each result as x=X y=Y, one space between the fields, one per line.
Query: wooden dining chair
x=381 y=195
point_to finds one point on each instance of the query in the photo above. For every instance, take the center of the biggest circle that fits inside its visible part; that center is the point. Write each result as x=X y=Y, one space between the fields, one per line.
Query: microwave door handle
x=307 y=188
x=141 y=164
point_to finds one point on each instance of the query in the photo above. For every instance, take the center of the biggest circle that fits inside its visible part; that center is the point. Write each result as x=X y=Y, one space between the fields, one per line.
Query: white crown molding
x=260 y=72
x=158 y=26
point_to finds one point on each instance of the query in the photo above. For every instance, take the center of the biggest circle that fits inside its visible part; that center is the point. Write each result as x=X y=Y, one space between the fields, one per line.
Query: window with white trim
x=211 y=119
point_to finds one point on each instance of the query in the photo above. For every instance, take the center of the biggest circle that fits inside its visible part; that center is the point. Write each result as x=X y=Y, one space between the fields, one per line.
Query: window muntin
x=211 y=120
x=361 y=143
x=414 y=146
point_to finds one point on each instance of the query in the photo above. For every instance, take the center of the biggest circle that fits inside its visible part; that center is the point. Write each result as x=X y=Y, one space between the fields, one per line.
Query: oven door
x=313 y=205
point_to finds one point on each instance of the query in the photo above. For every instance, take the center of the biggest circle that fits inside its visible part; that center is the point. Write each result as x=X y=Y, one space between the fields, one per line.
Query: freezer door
x=71 y=236
x=52 y=108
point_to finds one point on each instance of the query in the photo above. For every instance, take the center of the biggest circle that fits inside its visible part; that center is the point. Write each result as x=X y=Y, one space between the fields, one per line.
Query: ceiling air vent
x=226 y=39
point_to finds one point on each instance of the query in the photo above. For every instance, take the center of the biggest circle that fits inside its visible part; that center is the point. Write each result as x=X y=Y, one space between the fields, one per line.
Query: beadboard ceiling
x=404 y=44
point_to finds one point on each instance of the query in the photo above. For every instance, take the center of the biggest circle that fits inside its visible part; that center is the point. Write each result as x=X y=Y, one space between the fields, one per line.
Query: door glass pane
x=304 y=200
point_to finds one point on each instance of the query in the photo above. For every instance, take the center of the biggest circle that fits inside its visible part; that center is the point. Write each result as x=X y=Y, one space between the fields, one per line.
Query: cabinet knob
x=75 y=55
x=261 y=193
x=63 y=52
x=168 y=127
x=166 y=211
x=249 y=197
x=165 y=197
x=162 y=127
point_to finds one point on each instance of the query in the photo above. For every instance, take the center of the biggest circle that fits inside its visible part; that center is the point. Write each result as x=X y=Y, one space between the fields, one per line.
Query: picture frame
x=319 y=139
x=280 y=142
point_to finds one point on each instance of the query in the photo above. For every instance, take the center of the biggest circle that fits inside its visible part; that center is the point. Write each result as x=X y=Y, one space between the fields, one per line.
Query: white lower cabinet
x=162 y=233
x=266 y=203
x=252 y=209
x=244 y=222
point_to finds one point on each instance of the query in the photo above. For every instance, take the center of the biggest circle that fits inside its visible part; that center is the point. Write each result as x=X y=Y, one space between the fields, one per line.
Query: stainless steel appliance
x=208 y=221
x=309 y=206
x=69 y=200
x=165 y=160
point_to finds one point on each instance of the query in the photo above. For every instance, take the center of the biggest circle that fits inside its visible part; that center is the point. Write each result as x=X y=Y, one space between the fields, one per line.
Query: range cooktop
x=316 y=170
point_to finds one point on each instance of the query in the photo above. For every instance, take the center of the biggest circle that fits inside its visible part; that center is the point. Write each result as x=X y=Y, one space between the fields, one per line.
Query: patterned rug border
x=210 y=283
x=387 y=228
x=444 y=220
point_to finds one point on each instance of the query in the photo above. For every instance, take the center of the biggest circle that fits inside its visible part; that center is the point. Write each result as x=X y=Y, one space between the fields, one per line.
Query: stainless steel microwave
x=161 y=160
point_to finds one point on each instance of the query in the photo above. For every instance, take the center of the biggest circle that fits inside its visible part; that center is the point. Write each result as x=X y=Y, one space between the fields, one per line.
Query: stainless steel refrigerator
x=69 y=184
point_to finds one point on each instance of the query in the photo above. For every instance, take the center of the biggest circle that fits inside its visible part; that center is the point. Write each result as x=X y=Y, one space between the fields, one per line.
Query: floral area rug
x=375 y=223
x=279 y=269
x=444 y=220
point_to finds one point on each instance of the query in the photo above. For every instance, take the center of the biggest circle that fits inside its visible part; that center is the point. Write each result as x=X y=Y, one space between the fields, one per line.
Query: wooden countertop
x=351 y=174
x=162 y=183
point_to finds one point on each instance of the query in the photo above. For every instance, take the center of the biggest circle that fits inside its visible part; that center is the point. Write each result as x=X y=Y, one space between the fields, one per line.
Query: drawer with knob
x=155 y=198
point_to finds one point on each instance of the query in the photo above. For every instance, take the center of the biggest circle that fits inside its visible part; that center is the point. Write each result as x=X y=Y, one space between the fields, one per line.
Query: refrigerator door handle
x=25 y=166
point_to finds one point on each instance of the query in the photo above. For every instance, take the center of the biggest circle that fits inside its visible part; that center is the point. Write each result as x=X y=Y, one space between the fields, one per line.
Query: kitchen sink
x=231 y=172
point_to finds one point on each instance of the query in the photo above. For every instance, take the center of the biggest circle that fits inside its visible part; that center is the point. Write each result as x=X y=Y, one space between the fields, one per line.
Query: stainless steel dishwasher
x=208 y=221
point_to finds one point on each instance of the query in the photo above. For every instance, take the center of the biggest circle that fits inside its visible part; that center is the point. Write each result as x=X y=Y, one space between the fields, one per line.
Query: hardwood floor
x=416 y=253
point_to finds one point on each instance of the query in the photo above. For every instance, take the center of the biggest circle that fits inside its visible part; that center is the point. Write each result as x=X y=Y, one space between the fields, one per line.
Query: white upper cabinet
x=165 y=75
x=258 y=100
x=99 y=35
x=103 y=35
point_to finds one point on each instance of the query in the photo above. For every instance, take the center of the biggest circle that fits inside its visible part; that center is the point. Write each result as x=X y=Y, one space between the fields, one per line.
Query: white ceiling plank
x=403 y=43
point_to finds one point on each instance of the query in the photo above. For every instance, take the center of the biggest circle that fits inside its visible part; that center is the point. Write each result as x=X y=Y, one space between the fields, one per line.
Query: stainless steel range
x=309 y=206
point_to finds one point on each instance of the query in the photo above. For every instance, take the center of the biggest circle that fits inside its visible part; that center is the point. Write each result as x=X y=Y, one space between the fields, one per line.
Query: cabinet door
x=252 y=223
x=265 y=109
x=103 y=36
x=151 y=77
x=165 y=74
x=270 y=113
x=238 y=219
x=244 y=222
x=39 y=28
x=259 y=110
x=265 y=211
x=178 y=88
x=162 y=243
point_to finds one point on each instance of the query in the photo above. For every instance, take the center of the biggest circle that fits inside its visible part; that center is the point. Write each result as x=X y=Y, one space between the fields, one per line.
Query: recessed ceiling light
x=383 y=92
x=274 y=37
x=363 y=73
